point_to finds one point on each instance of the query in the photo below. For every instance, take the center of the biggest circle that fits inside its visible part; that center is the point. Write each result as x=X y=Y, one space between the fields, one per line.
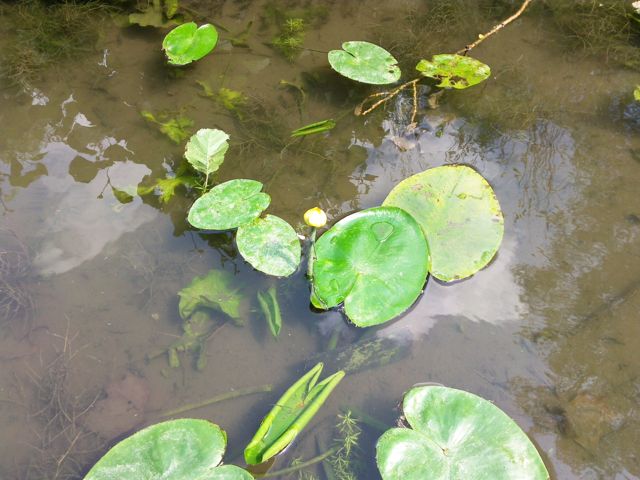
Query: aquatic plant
x=455 y=434
x=270 y=307
x=188 y=43
x=177 y=128
x=313 y=128
x=205 y=151
x=158 y=13
x=290 y=39
x=454 y=71
x=365 y=62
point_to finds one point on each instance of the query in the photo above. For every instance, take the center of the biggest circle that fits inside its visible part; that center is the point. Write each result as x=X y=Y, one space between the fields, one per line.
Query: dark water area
x=549 y=331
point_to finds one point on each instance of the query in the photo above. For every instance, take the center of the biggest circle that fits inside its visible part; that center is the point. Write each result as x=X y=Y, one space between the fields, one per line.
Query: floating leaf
x=317 y=127
x=454 y=71
x=270 y=245
x=173 y=450
x=365 y=62
x=123 y=196
x=206 y=150
x=271 y=308
x=459 y=214
x=290 y=415
x=215 y=290
x=375 y=261
x=229 y=205
x=456 y=435
x=187 y=43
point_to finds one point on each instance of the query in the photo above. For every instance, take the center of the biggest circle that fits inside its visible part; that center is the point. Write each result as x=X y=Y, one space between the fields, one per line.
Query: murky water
x=548 y=331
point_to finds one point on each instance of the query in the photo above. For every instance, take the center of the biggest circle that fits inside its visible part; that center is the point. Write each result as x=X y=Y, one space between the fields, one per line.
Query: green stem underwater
x=218 y=398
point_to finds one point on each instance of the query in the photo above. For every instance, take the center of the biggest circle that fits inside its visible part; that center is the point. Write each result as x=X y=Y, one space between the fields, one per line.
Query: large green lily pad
x=217 y=290
x=206 y=149
x=229 y=205
x=456 y=435
x=365 y=62
x=375 y=261
x=291 y=413
x=187 y=43
x=459 y=214
x=174 y=450
x=454 y=71
x=270 y=245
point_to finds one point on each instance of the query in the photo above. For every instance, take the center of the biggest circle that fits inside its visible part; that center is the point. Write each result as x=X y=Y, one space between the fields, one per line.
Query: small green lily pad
x=375 y=261
x=174 y=450
x=229 y=205
x=217 y=290
x=459 y=215
x=365 y=62
x=206 y=150
x=291 y=413
x=454 y=71
x=187 y=43
x=270 y=245
x=456 y=435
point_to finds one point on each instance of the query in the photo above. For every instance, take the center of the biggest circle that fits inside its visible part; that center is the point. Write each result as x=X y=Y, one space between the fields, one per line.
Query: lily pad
x=459 y=214
x=188 y=42
x=291 y=413
x=229 y=205
x=270 y=245
x=206 y=150
x=365 y=62
x=375 y=261
x=216 y=290
x=454 y=71
x=454 y=435
x=173 y=450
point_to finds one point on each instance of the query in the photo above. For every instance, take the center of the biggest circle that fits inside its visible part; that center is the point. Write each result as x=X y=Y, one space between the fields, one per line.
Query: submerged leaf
x=187 y=43
x=173 y=450
x=636 y=93
x=454 y=435
x=459 y=215
x=176 y=128
x=375 y=261
x=365 y=62
x=290 y=415
x=271 y=308
x=229 y=205
x=317 y=127
x=215 y=290
x=454 y=71
x=206 y=150
x=270 y=245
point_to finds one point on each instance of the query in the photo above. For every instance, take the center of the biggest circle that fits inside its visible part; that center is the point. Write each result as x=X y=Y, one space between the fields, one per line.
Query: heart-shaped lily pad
x=187 y=43
x=229 y=205
x=365 y=62
x=454 y=71
x=173 y=450
x=270 y=245
x=456 y=435
x=459 y=215
x=375 y=261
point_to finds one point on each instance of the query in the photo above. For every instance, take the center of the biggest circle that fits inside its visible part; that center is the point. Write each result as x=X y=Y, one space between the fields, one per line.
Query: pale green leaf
x=365 y=62
x=206 y=149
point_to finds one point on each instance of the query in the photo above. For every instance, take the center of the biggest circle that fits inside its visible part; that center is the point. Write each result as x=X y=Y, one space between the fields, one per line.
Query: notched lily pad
x=291 y=413
x=188 y=42
x=229 y=205
x=270 y=245
x=454 y=71
x=456 y=435
x=375 y=261
x=365 y=62
x=173 y=450
x=459 y=215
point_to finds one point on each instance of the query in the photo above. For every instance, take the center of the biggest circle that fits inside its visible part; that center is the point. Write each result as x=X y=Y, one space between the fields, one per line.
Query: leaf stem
x=300 y=466
x=218 y=398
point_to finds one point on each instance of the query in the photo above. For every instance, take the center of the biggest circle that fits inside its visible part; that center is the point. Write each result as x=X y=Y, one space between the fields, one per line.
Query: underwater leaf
x=206 y=150
x=215 y=290
x=151 y=16
x=454 y=435
x=122 y=196
x=636 y=93
x=270 y=245
x=365 y=62
x=459 y=215
x=375 y=261
x=176 y=128
x=172 y=450
x=229 y=205
x=171 y=8
x=187 y=43
x=167 y=186
x=290 y=415
x=317 y=127
x=454 y=71
x=269 y=305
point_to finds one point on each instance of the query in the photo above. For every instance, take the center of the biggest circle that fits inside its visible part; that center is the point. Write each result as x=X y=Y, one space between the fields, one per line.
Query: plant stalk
x=295 y=468
x=218 y=398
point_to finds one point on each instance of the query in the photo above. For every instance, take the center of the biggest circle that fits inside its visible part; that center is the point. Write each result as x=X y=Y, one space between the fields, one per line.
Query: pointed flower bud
x=315 y=217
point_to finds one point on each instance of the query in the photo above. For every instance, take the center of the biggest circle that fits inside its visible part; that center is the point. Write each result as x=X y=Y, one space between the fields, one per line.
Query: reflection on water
x=548 y=330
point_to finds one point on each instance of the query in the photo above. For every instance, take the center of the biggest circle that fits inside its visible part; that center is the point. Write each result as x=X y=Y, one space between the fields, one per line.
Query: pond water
x=549 y=331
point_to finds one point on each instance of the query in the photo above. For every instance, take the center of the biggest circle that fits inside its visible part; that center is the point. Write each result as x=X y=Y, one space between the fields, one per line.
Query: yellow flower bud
x=315 y=217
